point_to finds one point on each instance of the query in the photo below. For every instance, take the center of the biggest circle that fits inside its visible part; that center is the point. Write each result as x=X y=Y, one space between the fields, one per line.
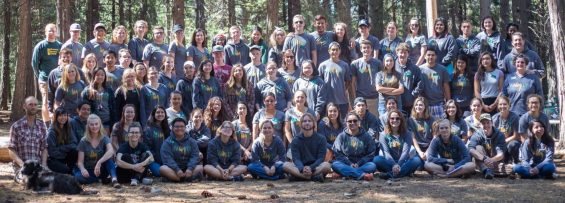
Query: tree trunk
x=113 y=14
x=521 y=15
x=326 y=11
x=293 y=9
x=504 y=11
x=178 y=12
x=24 y=77
x=92 y=17
x=143 y=11
x=343 y=10
x=231 y=12
x=121 y=13
x=557 y=34
x=376 y=9
x=200 y=14
x=64 y=16
x=485 y=8
x=244 y=17
x=272 y=15
x=5 y=86
x=363 y=9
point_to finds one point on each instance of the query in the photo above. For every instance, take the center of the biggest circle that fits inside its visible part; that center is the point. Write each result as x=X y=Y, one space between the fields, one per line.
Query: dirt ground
x=421 y=188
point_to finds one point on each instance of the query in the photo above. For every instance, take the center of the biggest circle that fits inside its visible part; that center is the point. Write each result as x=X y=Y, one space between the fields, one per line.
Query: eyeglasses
x=158 y=33
x=352 y=121
x=299 y=22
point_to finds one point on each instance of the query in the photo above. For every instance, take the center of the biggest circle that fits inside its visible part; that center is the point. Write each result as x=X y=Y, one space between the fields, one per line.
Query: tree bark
x=521 y=15
x=272 y=16
x=121 y=13
x=92 y=17
x=200 y=14
x=64 y=16
x=231 y=12
x=178 y=12
x=363 y=9
x=5 y=86
x=113 y=14
x=143 y=11
x=25 y=81
x=376 y=9
x=293 y=9
x=504 y=11
x=557 y=35
x=343 y=9
x=485 y=8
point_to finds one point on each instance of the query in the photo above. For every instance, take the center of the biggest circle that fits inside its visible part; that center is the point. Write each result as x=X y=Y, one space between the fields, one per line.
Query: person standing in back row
x=98 y=45
x=153 y=53
x=303 y=45
x=74 y=44
x=44 y=59
x=323 y=38
x=236 y=51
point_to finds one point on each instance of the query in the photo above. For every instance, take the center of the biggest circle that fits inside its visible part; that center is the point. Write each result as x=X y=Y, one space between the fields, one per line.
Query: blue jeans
x=109 y=166
x=348 y=171
x=256 y=169
x=546 y=171
x=343 y=109
x=409 y=167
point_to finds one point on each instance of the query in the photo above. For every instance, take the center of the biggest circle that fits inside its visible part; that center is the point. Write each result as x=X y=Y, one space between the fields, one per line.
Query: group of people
x=303 y=106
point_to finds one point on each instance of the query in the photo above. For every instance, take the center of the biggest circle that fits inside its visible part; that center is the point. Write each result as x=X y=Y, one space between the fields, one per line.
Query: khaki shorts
x=43 y=88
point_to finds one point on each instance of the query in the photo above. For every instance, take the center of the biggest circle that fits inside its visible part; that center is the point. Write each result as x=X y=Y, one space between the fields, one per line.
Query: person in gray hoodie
x=354 y=151
x=179 y=154
x=224 y=155
x=367 y=120
x=443 y=43
x=447 y=154
x=487 y=146
x=396 y=141
x=535 y=64
x=61 y=143
x=536 y=154
x=308 y=151
x=267 y=154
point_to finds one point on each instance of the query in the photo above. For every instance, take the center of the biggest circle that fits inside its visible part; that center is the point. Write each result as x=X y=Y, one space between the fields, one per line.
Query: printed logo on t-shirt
x=52 y=52
x=355 y=144
x=224 y=155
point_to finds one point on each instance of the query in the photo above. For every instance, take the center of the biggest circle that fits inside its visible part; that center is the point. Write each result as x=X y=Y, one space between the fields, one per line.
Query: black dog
x=45 y=181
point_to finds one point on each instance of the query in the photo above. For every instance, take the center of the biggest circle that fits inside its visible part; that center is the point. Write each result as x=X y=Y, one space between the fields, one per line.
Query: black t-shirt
x=135 y=153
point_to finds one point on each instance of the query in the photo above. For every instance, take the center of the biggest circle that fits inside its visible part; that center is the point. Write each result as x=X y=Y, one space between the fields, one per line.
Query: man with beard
x=308 y=151
x=28 y=139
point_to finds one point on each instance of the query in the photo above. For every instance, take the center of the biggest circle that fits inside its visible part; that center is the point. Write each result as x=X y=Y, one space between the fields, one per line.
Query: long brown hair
x=64 y=133
x=413 y=114
x=208 y=115
x=231 y=86
x=401 y=128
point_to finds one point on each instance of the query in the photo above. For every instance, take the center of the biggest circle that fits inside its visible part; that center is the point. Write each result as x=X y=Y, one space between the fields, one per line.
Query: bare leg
x=289 y=167
x=468 y=168
x=169 y=173
x=197 y=171
x=238 y=170
x=323 y=168
x=434 y=168
x=213 y=172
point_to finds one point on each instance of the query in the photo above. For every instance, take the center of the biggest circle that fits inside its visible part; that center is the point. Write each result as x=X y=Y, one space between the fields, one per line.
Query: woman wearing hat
x=177 y=49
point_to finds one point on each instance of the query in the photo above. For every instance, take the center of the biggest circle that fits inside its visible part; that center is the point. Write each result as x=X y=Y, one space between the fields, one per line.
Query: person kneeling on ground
x=354 y=151
x=308 y=151
x=134 y=158
x=267 y=154
x=396 y=142
x=224 y=155
x=487 y=146
x=536 y=154
x=179 y=154
x=447 y=154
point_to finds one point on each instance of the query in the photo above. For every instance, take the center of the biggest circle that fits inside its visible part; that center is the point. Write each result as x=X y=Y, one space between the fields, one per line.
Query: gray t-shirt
x=322 y=45
x=279 y=87
x=365 y=73
x=154 y=54
x=416 y=44
x=289 y=77
x=76 y=48
x=374 y=43
x=336 y=75
x=291 y=116
x=489 y=84
x=180 y=57
x=527 y=118
x=114 y=79
x=388 y=47
x=98 y=49
x=254 y=73
x=116 y=48
x=197 y=55
x=301 y=45
x=71 y=97
x=434 y=79
x=92 y=154
x=278 y=120
x=506 y=126
x=385 y=80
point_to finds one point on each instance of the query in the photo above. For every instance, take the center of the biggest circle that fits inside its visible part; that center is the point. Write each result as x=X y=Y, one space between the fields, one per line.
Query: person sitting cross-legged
x=179 y=154
x=134 y=157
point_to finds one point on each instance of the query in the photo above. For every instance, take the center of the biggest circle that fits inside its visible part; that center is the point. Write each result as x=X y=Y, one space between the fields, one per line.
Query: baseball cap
x=99 y=25
x=74 y=27
x=364 y=22
x=485 y=116
x=255 y=47
x=177 y=27
x=217 y=48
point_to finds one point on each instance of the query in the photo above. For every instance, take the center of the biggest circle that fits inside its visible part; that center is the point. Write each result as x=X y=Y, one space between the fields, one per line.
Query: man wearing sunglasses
x=303 y=45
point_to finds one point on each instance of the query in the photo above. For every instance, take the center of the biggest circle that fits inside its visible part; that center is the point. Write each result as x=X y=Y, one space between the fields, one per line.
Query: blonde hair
x=49 y=26
x=124 y=87
x=115 y=34
x=87 y=72
x=93 y=118
x=65 y=76
x=272 y=38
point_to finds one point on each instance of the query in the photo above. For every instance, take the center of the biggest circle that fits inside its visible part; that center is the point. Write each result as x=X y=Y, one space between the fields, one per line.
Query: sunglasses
x=352 y=121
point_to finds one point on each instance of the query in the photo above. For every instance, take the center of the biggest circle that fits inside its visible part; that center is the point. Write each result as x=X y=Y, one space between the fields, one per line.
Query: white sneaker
x=134 y=182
